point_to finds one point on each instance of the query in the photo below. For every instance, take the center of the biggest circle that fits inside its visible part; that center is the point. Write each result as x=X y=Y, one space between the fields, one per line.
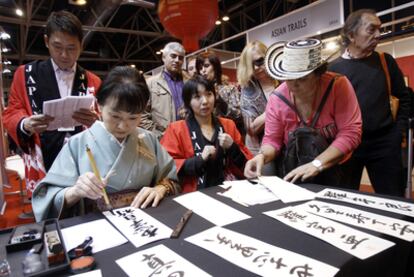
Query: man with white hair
x=166 y=103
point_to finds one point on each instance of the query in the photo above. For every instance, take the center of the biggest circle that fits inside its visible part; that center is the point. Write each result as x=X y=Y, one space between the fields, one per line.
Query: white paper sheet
x=352 y=241
x=371 y=221
x=380 y=203
x=287 y=192
x=100 y=230
x=247 y=193
x=139 y=227
x=257 y=256
x=211 y=209
x=62 y=110
x=94 y=273
x=158 y=261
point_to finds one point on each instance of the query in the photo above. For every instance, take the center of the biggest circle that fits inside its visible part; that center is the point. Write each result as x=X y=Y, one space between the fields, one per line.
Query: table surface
x=395 y=261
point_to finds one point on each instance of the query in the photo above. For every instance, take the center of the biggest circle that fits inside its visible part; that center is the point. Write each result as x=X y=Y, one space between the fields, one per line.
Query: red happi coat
x=177 y=141
x=20 y=106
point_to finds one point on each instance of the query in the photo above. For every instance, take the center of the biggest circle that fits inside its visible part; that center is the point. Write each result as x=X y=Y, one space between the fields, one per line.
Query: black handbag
x=305 y=143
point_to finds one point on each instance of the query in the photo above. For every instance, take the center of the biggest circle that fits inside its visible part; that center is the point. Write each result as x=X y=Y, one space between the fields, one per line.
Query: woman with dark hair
x=137 y=171
x=208 y=65
x=207 y=149
x=295 y=103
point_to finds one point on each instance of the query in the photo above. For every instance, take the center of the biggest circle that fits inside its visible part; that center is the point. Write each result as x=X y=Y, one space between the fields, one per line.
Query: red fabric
x=18 y=108
x=176 y=140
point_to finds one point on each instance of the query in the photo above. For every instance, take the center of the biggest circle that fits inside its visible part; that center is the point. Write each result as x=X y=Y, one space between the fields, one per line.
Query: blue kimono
x=138 y=161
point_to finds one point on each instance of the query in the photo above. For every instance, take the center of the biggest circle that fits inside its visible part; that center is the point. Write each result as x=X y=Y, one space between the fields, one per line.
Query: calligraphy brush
x=96 y=172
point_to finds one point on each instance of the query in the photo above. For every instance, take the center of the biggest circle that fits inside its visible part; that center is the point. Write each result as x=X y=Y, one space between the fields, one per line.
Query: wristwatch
x=318 y=164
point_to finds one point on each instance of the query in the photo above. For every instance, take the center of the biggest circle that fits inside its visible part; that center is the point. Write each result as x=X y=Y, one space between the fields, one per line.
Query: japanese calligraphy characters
x=138 y=226
x=259 y=257
x=354 y=242
x=211 y=209
x=383 y=224
x=394 y=206
x=159 y=261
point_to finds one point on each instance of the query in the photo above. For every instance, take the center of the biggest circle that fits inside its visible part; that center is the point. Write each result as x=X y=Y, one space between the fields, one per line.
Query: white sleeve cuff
x=22 y=128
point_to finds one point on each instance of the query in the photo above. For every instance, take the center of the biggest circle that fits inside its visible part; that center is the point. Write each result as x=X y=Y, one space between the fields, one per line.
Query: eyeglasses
x=259 y=62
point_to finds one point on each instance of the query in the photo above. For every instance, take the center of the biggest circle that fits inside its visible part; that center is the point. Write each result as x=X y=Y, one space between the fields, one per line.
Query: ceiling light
x=6 y=62
x=4 y=36
x=140 y=72
x=218 y=22
x=158 y=52
x=226 y=18
x=19 y=12
x=132 y=65
x=6 y=71
x=5 y=49
x=78 y=2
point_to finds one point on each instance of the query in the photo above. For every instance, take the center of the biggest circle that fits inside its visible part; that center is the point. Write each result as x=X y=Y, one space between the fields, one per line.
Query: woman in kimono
x=207 y=150
x=129 y=158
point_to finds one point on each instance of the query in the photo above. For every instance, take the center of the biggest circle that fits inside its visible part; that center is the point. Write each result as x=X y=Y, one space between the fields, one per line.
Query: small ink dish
x=82 y=261
x=82 y=264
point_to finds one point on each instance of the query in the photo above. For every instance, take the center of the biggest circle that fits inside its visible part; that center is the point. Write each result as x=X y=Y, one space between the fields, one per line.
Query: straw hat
x=296 y=59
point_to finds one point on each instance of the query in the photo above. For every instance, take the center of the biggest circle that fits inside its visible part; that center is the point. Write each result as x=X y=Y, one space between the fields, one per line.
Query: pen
x=180 y=226
x=96 y=172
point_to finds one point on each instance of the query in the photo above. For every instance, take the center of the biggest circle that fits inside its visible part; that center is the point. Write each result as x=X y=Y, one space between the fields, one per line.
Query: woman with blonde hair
x=256 y=87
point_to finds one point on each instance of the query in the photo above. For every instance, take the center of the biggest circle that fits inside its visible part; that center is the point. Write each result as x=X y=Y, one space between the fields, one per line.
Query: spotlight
x=132 y=65
x=78 y=2
x=4 y=36
x=218 y=22
x=226 y=18
x=19 y=12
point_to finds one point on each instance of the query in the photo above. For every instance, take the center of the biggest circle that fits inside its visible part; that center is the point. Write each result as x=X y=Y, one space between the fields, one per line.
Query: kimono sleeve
x=166 y=165
x=48 y=196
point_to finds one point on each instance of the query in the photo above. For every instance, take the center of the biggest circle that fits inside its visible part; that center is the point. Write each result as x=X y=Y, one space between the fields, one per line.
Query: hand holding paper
x=64 y=109
x=37 y=123
x=85 y=116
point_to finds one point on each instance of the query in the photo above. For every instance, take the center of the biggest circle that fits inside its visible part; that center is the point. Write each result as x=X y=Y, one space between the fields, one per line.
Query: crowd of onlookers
x=197 y=130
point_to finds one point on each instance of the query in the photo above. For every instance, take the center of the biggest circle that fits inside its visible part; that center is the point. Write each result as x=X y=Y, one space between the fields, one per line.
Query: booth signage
x=319 y=17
